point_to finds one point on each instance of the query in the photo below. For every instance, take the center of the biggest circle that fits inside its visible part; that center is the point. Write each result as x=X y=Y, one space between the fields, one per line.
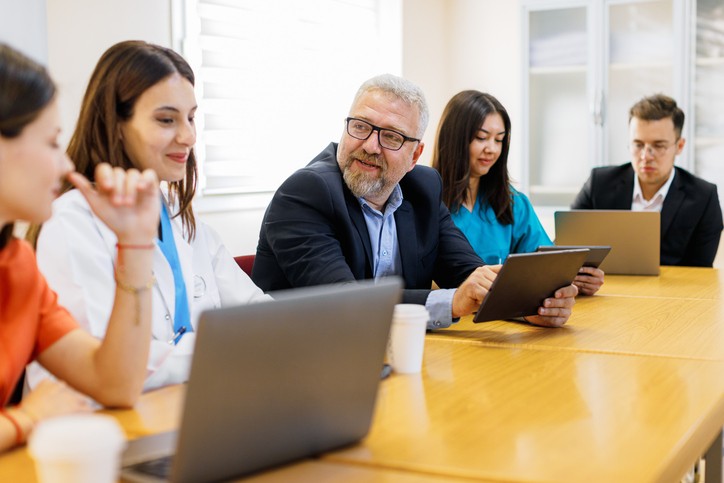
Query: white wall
x=453 y=45
x=23 y=25
x=448 y=46
x=79 y=31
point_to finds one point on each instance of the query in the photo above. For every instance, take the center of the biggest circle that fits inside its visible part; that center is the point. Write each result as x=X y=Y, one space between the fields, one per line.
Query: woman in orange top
x=32 y=325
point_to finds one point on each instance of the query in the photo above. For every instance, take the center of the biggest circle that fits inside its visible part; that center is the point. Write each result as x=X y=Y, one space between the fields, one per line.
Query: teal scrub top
x=491 y=240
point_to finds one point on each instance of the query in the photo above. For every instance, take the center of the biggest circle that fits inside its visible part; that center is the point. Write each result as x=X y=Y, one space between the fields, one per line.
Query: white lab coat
x=76 y=252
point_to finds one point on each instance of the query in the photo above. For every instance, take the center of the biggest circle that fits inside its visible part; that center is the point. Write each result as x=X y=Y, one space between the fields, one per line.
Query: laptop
x=525 y=280
x=634 y=237
x=273 y=382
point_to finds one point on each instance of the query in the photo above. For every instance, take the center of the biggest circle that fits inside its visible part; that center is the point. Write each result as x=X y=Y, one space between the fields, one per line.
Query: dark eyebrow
x=172 y=109
x=488 y=132
x=166 y=108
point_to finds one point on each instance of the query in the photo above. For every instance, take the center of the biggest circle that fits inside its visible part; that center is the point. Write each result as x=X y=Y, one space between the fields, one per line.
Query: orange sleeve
x=31 y=318
x=54 y=321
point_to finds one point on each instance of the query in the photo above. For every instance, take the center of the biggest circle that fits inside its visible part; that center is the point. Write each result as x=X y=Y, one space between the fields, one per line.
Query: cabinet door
x=640 y=53
x=586 y=64
x=708 y=95
x=558 y=131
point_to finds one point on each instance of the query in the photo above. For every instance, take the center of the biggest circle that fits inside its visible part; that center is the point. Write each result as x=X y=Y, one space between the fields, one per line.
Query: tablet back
x=525 y=280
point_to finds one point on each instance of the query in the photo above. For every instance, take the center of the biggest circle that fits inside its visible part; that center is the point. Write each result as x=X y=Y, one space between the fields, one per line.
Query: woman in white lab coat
x=139 y=112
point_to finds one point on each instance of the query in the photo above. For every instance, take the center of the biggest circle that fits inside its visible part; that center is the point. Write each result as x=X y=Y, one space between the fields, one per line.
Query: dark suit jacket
x=314 y=233
x=691 y=218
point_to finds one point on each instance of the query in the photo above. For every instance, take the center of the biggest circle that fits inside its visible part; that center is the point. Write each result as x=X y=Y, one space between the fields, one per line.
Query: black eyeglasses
x=388 y=139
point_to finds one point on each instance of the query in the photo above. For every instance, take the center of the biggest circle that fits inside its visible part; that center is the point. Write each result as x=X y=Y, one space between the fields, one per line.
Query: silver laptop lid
x=277 y=381
x=634 y=237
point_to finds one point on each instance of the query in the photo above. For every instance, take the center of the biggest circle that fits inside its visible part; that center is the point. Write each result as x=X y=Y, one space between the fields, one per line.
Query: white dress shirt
x=638 y=203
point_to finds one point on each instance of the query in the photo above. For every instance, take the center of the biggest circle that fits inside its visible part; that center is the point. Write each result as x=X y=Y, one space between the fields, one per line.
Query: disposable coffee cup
x=407 y=338
x=84 y=448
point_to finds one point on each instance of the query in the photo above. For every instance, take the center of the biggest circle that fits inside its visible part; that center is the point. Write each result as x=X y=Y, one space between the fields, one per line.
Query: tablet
x=526 y=279
x=596 y=253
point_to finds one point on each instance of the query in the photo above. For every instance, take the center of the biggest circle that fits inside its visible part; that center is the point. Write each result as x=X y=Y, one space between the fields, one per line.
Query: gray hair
x=409 y=92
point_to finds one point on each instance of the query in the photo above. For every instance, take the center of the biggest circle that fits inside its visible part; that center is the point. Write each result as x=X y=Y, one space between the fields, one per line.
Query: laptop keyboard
x=160 y=467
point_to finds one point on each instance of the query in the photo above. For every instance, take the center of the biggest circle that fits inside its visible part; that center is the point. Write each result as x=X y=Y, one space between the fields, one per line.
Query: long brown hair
x=123 y=74
x=25 y=90
x=461 y=120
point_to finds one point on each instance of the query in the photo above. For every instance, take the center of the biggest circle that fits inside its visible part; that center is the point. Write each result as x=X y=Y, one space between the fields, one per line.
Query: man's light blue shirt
x=386 y=260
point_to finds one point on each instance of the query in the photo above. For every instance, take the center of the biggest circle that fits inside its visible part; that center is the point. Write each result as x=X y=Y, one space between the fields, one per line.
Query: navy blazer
x=691 y=218
x=314 y=233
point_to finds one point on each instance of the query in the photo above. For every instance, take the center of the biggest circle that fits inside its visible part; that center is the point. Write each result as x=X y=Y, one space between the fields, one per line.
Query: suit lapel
x=407 y=241
x=358 y=220
x=621 y=194
x=672 y=203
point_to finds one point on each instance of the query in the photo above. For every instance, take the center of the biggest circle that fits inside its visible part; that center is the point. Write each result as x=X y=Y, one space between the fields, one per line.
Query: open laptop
x=634 y=237
x=275 y=381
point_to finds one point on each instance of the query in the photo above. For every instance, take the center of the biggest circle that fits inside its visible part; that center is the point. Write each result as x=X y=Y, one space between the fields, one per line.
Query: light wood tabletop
x=17 y=467
x=631 y=389
x=683 y=328
x=159 y=411
x=673 y=282
x=530 y=415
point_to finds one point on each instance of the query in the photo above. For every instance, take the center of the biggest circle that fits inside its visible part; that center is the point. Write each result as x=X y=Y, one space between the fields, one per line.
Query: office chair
x=245 y=262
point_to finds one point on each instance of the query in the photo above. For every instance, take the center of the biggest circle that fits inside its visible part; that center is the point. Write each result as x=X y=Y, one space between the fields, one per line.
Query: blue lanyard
x=182 y=318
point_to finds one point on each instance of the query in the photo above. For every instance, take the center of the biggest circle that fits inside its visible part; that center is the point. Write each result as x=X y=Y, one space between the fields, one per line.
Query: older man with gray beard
x=362 y=209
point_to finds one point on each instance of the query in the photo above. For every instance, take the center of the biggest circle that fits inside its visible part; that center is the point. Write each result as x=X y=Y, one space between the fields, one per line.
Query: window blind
x=275 y=80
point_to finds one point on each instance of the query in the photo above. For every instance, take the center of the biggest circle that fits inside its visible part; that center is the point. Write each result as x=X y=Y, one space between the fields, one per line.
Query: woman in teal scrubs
x=471 y=154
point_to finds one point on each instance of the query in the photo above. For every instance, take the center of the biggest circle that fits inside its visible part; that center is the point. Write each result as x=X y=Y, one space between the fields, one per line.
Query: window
x=275 y=79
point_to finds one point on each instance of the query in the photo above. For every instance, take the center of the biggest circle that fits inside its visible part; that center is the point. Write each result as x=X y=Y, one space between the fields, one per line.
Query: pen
x=177 y=335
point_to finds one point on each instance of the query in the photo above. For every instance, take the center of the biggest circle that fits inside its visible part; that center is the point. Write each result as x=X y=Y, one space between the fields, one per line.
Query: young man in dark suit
x=691 y=217
x=363 y=209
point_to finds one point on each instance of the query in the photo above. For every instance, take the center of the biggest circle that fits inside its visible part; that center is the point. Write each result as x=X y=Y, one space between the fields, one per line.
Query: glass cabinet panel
x=708 y=95
x=558 y=109
x=588 y=62
x=640 y=63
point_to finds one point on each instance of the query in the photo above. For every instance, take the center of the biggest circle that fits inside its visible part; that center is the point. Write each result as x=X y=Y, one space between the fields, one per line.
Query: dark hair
x=461 y=120
x=122 y=75
x=657 y=107
x=25 y=90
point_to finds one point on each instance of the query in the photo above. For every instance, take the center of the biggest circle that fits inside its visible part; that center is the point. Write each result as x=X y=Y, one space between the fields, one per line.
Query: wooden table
x=17 y=467
x=682 y=328
x=505 y=414
x=632 y=389
x=160 y=410
x=673 y=282
x=510 y=414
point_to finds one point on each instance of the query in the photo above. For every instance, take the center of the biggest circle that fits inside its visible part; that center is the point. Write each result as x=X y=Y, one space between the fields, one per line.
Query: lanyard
x=182 y=318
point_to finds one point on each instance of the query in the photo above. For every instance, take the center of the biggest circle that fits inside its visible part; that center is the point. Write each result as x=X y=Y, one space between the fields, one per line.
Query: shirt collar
x=638 y=195
x=393 y=202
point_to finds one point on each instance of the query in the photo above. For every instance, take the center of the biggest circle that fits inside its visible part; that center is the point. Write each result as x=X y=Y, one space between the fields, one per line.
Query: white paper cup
x=84 y=448
x=407 y=338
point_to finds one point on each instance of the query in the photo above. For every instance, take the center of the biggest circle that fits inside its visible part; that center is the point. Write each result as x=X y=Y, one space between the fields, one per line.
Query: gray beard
x=361 y=185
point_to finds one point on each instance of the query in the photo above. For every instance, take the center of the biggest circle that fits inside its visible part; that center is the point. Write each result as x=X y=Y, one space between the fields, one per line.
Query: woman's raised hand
x=128 y=201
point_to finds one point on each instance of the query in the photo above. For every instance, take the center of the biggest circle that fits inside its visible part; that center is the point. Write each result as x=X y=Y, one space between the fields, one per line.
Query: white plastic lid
x=67 y=437
x=410 y=313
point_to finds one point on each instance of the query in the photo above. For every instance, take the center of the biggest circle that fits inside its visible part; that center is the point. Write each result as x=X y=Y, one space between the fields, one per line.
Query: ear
x=680 y=145
x=416 y=155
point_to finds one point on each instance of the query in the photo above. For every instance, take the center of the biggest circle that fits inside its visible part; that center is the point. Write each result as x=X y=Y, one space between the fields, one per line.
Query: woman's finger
x=130 y=186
